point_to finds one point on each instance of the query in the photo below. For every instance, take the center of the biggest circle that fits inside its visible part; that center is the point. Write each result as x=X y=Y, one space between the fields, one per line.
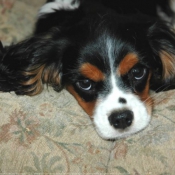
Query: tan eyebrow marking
x=92 y=72
x=128 y=62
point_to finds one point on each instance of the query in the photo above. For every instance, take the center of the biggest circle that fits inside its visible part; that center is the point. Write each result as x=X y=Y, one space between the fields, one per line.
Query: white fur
x=164 y=16
x=172 y=5
x=57 y=5
x=106 y=105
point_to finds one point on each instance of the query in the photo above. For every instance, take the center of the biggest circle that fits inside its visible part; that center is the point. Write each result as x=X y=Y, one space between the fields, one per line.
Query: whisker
x=159 y=97
x=165 y=86
x=155 y=94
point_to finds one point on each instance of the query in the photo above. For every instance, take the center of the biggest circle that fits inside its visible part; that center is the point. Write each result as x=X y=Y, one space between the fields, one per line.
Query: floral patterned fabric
x=50 y=133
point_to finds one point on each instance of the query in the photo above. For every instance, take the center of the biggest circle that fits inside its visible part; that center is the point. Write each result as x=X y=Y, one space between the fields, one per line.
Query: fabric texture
x=50 y=133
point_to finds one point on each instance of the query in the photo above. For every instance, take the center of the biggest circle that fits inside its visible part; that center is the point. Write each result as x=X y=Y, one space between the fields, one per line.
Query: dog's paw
x=50 y=7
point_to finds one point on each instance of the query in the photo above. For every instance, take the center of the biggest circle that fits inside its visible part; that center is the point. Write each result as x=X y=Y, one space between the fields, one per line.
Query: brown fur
x=92 y=72
x=87 y=106
x=39 y=76
x=128 y=62
x=168 y=62
x=145 y=97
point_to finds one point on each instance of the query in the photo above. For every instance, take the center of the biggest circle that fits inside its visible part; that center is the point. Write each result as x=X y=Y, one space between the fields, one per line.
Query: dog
x=107 y=54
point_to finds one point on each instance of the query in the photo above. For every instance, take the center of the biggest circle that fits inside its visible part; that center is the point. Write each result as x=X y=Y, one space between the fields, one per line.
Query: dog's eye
x=85 y=84
x=138 y=73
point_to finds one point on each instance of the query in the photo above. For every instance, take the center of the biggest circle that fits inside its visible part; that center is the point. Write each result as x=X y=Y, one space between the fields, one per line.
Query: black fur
x=62 y=18
x=58 y=48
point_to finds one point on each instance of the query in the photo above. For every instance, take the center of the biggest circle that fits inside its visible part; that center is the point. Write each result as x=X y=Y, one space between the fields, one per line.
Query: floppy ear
x=162 y=42
x=26 y=66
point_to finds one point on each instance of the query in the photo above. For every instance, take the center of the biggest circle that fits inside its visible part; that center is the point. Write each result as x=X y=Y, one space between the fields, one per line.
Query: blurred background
x=17 y=18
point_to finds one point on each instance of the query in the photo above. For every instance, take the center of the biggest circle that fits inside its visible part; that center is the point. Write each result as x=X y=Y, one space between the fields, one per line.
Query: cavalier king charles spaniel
x=108 y=54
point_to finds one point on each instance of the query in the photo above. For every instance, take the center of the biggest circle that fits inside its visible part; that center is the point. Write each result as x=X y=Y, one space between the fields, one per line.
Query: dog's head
x=107 y=63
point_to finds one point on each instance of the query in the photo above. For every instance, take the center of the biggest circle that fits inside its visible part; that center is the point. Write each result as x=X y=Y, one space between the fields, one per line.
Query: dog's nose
x=121 y=119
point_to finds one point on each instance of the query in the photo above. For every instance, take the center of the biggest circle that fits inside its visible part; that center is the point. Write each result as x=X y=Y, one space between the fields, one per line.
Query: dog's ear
x=162 y=41
x=26 y=66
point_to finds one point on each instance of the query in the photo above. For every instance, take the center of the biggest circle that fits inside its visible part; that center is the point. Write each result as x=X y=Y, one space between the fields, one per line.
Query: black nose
x=121 y=119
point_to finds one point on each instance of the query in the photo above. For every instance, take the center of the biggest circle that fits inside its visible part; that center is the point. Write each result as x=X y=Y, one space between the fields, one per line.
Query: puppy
x=107 y=55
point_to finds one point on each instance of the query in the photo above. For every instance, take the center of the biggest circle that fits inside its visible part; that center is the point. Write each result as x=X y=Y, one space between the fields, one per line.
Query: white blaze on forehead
x=50 y=7
x=110 y=47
